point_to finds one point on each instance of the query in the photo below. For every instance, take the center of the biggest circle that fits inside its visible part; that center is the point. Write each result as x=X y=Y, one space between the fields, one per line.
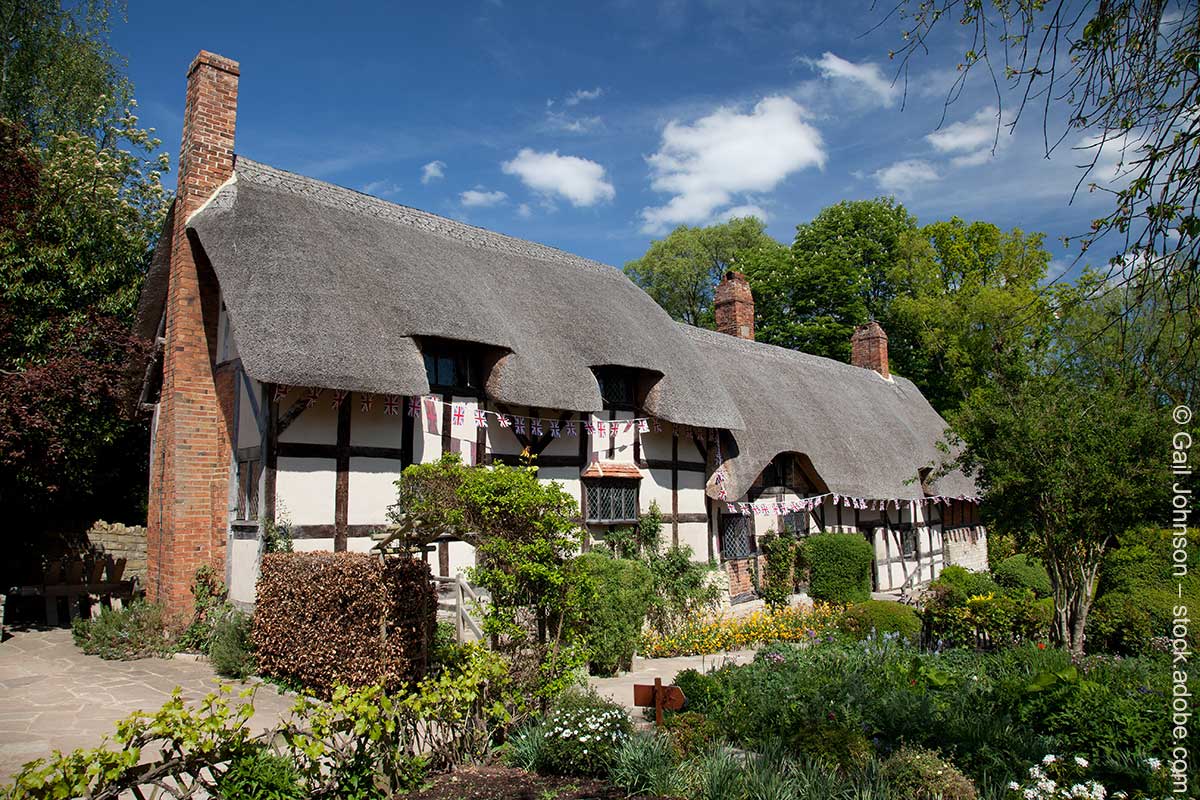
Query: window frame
x=591 y=485
x=463 y=358
x=748 y=532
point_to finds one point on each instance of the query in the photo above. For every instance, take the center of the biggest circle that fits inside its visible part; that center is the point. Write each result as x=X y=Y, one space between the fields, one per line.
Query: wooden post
x=458 y=609
x=658 y=702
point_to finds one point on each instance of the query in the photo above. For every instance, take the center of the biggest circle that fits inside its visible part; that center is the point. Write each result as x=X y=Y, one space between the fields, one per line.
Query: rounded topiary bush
x=882 y=617
x=619 y=593
x=839 y=567
x=1023 y=572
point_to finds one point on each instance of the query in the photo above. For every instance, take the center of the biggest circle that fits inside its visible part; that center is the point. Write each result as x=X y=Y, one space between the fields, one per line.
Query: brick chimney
x=868 y=348
x=189 y=486
x=733 y=305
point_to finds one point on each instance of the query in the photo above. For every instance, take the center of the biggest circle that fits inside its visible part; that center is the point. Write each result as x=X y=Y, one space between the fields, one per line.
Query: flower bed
x=738 y=633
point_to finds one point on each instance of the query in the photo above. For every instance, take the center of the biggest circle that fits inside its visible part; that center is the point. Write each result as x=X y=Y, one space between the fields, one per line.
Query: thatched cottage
x=312 y=341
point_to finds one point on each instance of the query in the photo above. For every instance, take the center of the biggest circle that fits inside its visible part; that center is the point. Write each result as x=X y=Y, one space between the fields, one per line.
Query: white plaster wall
x=373 y=428
x=313 y=545
x=695 y=536
x=304 y=490
x=656 y=444
x=656 y=488
x=243 y=569
x=372 y=489
x=462 y=558
x=691 y=493
x=688 y=450
x=567 y=476
x=967 y=547
x=564 y=445
x=317 y=425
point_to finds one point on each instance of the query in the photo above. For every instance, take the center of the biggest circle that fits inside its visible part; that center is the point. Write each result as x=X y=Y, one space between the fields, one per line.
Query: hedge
x=318 y=620
x=863 y=620
x=619 y=592
x=839 y=567
x=1023 y=572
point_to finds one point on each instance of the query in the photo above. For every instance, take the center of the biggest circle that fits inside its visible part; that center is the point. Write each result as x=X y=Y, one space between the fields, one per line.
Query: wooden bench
x=100 y=584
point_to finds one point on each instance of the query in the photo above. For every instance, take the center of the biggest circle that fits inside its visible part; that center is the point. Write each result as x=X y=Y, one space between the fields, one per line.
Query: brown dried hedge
x=317 y=620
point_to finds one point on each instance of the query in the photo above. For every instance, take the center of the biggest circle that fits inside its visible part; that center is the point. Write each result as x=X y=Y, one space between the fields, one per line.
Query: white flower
x=1153 y=764
x=1050 y=758
x=1081 y=761
x=1013 y=785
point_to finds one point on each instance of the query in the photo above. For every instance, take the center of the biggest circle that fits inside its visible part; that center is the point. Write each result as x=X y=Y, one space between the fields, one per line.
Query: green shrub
x=682 y=589
x=261 y=775
x=135 y=631
x=618 y=594
x=840 y=567
x=704 y=691
x=951 y=618
x=583 y=734
x=1021 y=572
x=920 y=774
x=644 y=764
x=317 y=620
x=960 y=584
x=862 y=620
x=779 y=581
x=231 y=651
x=209 y=607
x=691 y=732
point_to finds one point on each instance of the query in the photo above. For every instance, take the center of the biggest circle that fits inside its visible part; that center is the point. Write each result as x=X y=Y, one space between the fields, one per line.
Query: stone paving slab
x=53 y=697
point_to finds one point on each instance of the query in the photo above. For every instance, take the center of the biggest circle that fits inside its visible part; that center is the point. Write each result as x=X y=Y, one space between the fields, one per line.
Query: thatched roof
x=331 y=288
x=866 y=436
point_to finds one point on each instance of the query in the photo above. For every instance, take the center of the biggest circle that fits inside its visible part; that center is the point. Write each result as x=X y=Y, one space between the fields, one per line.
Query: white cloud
x=580 y=95
x=434 y=170
x=748 y=210
x=866 y=74
x=524 y=211
x=579 y=180
x=559 y=121
x=898 y=178
x=971 y=142
x=381 y=188
x=481 y=198
x=706 y=163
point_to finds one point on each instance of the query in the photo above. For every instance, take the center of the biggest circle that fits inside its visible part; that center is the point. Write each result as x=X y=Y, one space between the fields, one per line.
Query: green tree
x=838 y=275
x=680 y=271
x=1065 y=466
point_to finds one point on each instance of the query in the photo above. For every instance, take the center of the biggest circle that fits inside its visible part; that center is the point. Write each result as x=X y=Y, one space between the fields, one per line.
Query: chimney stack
x=733 y=306
x=188 y=515
x=869 y=348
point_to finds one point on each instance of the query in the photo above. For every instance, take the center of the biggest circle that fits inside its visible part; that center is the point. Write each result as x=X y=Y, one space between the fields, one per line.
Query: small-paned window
x=612 y=501
x=908 y=541
x=796 y=523
x=249 y=471
x=449 y=366
x=737 y=536
x=617 y=387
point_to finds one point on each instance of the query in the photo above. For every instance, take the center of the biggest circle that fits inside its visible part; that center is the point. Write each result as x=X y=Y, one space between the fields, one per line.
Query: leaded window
x=737 y=536
x=617 y=387
x=612 y=501
x=908 y=541
x=248 y=473
x=450 y=366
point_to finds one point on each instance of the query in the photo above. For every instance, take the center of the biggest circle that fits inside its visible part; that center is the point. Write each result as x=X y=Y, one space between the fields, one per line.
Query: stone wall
x=966 y=547
x=122 y=541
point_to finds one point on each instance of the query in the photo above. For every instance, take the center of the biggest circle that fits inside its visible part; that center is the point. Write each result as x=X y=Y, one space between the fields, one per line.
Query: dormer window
x=618 y=387
x=451 y=366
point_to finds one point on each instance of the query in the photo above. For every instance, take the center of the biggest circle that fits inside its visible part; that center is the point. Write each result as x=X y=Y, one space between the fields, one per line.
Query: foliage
x=1129 y=88
x=581 y=735
x=680 y=271
x=1020 y=572
x=231 y=650
x=135 y=631
x=209 y=608
x=645 y=764
x=835 y=277
x=1065 y=466
x=1074 y=776
x=780 y=551
x=923 y=775
x=260 y=775
x=839 y=567
x=690 y=733
x=959 y=583
x=983 y=621
x=618 y=592
x=329 y=618
x=684 y=590
x=722 y=633
x=877 y=617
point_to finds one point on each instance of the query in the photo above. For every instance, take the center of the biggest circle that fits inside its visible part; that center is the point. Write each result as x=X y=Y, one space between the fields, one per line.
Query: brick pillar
x=188 y=517
x=733 y=305
x=869 y=349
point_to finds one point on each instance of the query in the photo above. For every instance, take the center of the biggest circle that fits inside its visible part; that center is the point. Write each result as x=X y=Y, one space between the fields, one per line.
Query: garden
x=965 y=697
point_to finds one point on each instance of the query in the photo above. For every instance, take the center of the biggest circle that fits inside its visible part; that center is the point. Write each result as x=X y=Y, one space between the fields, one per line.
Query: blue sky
x=596 y=127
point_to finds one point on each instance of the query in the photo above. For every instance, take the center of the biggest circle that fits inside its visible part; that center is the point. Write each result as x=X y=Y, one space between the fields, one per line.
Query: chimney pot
x=733 y=306
x=869 y=348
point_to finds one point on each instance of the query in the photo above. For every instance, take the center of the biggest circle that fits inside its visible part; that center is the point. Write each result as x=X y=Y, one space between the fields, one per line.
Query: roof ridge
x=335 y=196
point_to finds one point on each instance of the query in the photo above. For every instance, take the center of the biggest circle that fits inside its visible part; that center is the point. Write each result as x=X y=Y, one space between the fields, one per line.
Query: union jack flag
x=460 y=415
x=338 y=398
x=601 y=429
x=535 y=426
x=281 y=391
x=629 y=425
x=519 y=425
x=657 y=425
x=480 y=418
x=554 y=429
x=365 y=403
x=589 y=427
x=391 y=405
x=505 y=421
x=572 y=428
x=431 y=415
x=414 y=407
x=643 y=426
x=311 y=399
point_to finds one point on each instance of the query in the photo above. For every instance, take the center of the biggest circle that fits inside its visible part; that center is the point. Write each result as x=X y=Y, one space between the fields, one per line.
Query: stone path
x=645 y=670
x=53 y=697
